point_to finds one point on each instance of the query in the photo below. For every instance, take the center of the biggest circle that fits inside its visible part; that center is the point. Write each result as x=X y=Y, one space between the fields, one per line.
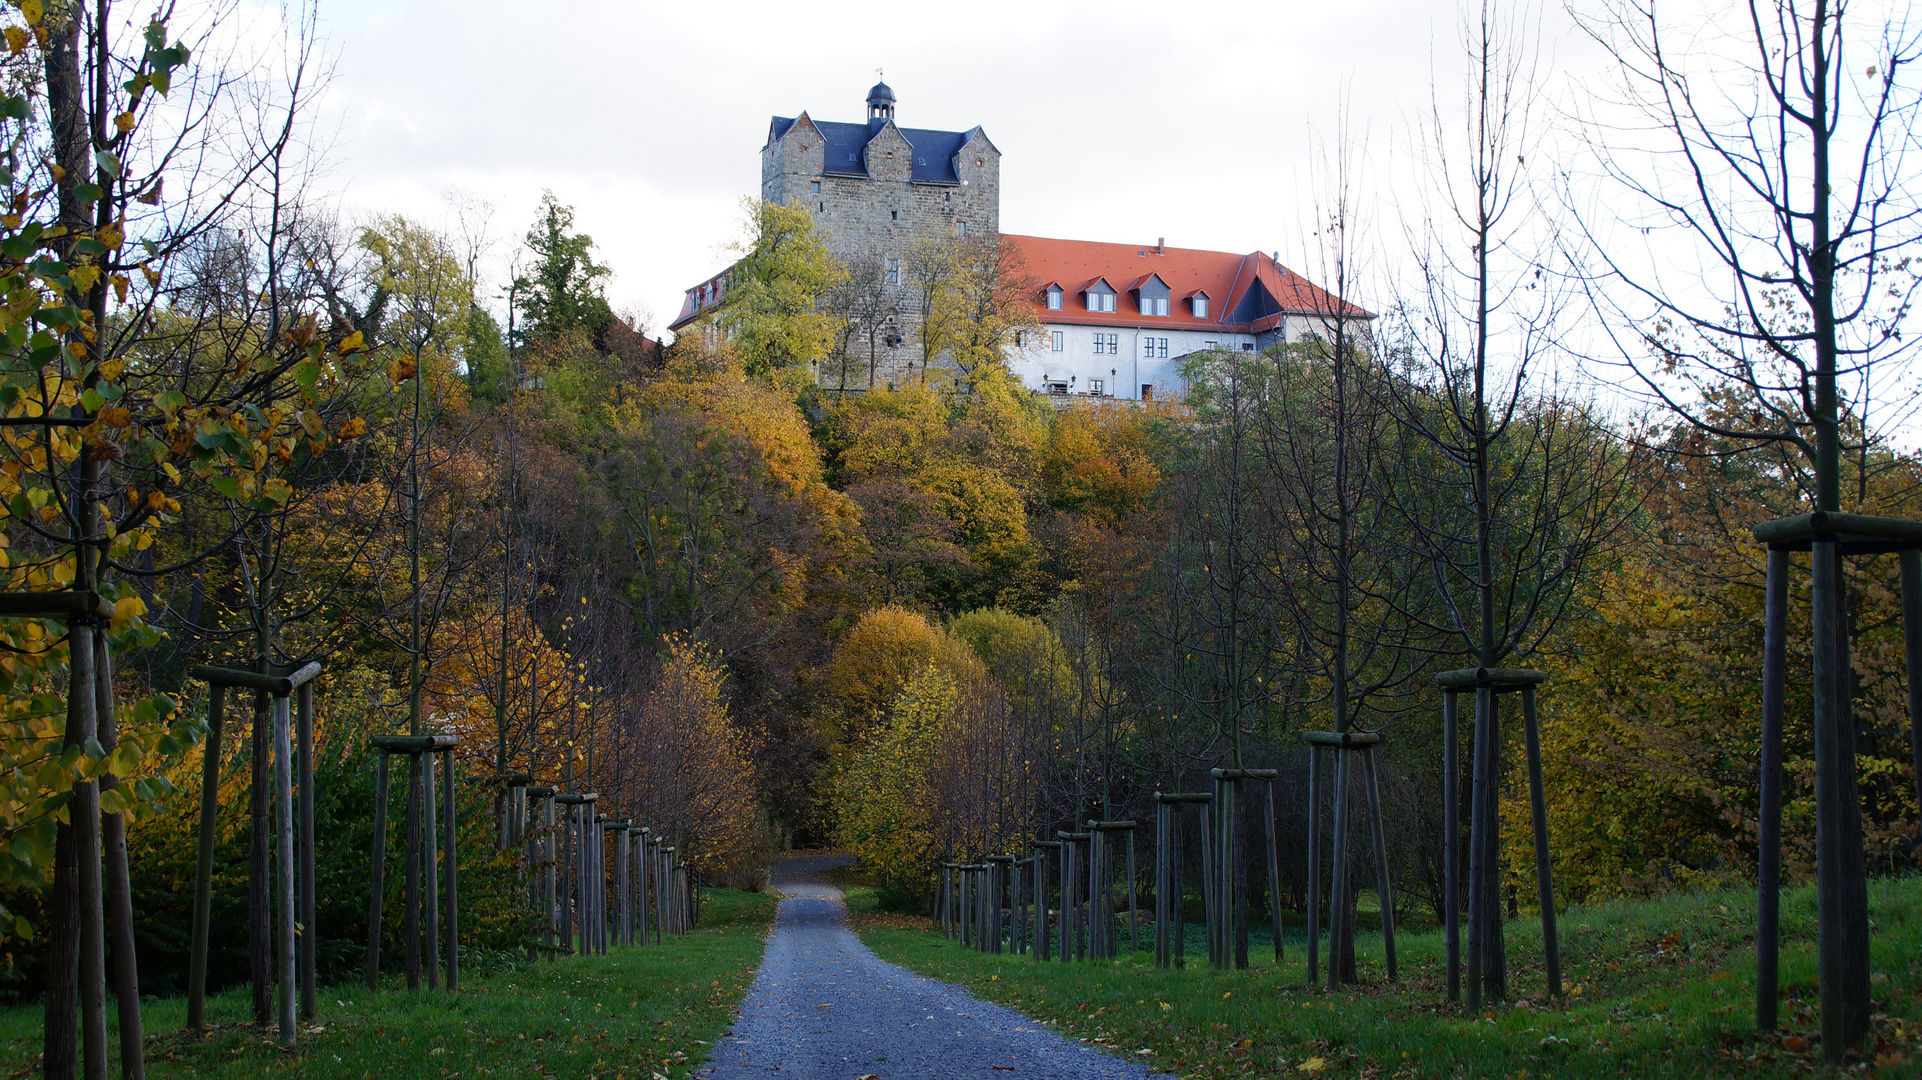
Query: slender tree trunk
x=74 y=844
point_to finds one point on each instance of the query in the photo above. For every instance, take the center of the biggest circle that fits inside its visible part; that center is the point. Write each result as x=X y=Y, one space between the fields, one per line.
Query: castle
x=1117 y=320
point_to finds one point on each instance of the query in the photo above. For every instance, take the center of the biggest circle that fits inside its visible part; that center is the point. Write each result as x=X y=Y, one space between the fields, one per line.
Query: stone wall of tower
x=869 y=221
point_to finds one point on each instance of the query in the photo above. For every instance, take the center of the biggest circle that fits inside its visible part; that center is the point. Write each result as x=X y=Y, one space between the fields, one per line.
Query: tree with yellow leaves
x=770 y=314
x=681 y=765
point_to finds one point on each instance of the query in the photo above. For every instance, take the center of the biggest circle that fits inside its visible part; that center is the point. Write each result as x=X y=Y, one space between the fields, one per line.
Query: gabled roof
x=974 y=135
x=933 y=150
x=1146 y=278
x=1253 y=288
x=1097 y=280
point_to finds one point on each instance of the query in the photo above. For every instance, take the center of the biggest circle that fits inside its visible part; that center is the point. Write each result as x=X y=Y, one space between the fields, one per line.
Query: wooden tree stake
x=204 y=865
x=378 y=892
x=287 y=1018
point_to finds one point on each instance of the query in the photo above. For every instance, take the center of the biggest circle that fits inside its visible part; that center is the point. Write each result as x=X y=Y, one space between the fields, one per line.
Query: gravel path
x=824 y=1007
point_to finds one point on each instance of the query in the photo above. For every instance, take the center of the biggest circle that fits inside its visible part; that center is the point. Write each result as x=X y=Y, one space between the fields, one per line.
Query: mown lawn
x=1657 y=989
x=626 y=1016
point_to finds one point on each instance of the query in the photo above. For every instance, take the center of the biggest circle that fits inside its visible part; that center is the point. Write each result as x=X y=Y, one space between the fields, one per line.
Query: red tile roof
x=692 y=304
x=1218 y=274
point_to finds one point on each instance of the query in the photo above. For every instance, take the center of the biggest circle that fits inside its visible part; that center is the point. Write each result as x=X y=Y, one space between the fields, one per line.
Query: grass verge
x=632 y=1015
x=1659 y=988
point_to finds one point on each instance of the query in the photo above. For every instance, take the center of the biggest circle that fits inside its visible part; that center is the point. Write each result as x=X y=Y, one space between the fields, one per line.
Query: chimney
x=1161 y=245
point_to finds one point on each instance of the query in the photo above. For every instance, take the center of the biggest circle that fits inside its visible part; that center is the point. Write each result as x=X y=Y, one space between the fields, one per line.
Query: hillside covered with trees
x=923 y=622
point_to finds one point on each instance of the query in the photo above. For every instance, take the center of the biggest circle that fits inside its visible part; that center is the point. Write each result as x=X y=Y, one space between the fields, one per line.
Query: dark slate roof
x=933 y=150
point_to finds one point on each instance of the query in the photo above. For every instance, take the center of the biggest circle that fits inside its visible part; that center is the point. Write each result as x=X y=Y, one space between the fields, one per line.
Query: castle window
x=960 y=228
x=894 y=215
x=1060 y=342
x=1094 y=387
x=1054 y=298
x=894 y=271
x=1020 y=338
x=814 y=187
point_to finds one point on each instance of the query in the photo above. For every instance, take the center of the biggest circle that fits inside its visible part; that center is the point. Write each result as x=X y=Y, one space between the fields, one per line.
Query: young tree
x=1526 y=490
x=1767 y=243
x=87 y=237
x=1329 y=440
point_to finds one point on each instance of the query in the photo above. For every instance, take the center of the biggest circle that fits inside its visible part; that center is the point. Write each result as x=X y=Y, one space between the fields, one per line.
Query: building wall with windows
x=1132 y=362
x=1120 y=320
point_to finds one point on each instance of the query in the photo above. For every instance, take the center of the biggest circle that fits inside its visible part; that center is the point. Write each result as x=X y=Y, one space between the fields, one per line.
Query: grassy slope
x=622 y=1017
x=1660 y=988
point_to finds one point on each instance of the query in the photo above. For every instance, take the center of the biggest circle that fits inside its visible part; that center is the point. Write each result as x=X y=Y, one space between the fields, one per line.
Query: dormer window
x=1054 y=298
x=1198 y=304
x=1151 y=295
x=1100 y=296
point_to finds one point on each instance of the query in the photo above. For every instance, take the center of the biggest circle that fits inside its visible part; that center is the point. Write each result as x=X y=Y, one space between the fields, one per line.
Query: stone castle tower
x=877 y=189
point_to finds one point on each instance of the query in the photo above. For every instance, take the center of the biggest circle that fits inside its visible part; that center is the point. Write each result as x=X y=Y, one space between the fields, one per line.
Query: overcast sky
x=1117 y=121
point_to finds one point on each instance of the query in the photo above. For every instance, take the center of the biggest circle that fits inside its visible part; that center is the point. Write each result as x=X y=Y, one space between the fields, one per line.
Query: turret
x=880 y=105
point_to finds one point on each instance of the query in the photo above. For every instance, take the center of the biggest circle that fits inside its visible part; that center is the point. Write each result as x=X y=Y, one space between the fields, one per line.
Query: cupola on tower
x=880 y=105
